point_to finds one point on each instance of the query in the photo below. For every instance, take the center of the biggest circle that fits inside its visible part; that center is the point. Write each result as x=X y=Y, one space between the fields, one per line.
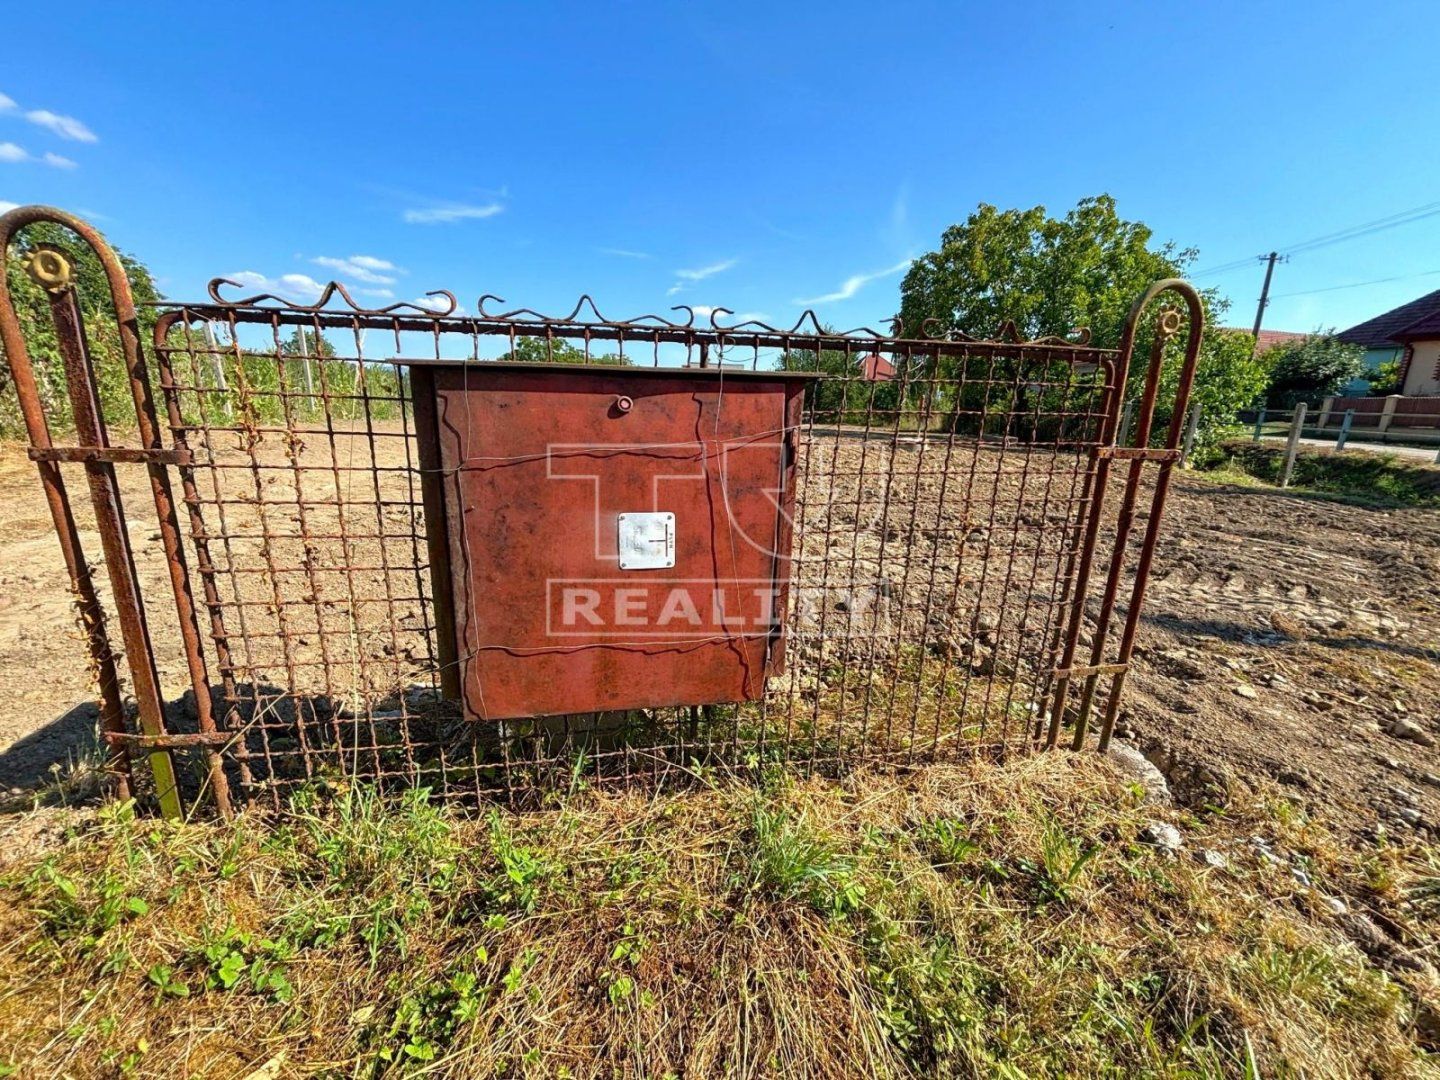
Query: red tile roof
x=1270 y=338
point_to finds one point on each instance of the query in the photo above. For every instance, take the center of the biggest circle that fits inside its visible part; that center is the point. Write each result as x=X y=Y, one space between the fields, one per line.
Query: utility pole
x=1270 y=261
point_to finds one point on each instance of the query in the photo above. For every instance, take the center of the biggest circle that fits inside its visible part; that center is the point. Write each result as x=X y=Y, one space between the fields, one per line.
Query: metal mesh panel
x=941 y=486
x=954 y=575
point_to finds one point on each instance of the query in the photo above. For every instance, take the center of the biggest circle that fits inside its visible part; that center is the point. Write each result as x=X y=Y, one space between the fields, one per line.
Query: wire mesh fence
x=952 y=571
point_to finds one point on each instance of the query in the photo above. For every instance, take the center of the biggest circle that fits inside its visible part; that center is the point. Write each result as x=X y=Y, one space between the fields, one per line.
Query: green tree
x=307 y=343
x=1046 y=275
x=1229 y=377
x=536 y=350
x=1052 y=275
x=1385 y=379
x=1312 y=368
x=33 y=310
x=843 y=396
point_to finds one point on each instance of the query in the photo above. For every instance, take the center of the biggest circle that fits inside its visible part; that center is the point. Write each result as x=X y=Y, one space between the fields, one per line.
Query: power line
x=1353 y=232
x=1358 y=284
x=1404 y=217
x=1238 y=264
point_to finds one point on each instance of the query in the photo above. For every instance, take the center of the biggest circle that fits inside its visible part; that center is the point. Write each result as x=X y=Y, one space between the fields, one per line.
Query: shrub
x=1310 y=369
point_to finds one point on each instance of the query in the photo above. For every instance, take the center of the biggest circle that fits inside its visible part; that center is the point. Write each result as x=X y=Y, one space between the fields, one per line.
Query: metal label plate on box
x=646 y=541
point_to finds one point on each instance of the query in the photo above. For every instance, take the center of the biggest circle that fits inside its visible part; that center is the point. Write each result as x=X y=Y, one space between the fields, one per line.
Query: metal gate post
x=1168 y=325
x=54 y=273
x=148 y=427
x=1165 y=328
x=1194 y=332
x=87 y=601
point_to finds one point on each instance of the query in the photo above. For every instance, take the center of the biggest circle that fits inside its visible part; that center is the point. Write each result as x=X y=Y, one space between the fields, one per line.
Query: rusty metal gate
x=955 y=580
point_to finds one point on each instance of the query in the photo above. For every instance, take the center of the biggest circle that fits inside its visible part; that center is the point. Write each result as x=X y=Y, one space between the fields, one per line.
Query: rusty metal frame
x=959 y=470
x=53 y=272
x=1167 y=326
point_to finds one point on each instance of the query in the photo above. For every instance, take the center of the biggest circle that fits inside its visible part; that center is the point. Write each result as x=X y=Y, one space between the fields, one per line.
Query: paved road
x=1418 y=453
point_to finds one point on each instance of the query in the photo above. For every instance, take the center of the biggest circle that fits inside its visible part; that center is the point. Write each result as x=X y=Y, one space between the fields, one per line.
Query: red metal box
x=616 y=538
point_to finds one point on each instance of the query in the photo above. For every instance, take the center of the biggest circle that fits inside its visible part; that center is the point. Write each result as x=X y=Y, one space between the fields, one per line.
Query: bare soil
x=1283 y=636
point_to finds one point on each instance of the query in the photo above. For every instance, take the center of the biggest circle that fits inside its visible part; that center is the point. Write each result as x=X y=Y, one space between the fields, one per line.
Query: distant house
x=1420 y=360
x=1380 y=337
x=875 y=368
x=1268 y=339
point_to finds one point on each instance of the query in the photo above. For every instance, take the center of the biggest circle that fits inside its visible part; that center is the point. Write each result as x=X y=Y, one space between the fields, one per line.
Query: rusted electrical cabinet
x=607 y=538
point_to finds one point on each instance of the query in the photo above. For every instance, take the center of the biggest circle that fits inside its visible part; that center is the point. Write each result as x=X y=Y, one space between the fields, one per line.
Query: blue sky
x=759 y=157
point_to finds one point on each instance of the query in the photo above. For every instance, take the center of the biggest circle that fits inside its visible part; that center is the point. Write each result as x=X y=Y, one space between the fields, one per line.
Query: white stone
x=1162 y=835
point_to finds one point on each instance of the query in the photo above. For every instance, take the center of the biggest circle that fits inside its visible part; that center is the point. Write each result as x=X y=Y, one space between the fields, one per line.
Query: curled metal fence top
x=335 y=306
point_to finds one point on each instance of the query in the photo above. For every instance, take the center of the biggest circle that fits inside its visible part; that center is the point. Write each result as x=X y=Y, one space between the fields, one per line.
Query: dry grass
x=976 y=920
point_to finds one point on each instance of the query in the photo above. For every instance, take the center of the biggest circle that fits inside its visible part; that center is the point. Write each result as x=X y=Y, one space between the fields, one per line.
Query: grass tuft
x=995 y=920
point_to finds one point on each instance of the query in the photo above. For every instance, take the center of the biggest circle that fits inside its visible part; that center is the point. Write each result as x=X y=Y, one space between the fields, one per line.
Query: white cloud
x=289 y=286
x=13 y=153
x=445 y=213
x=704 y=311
x=364 y=268
x=6 y=207
x=67 y=127
x=6 y=103
x=437 y=303
x=369 y=262
x=625 y=253
x=673 y=289
x=383 y=294
x=705 y=271
x=854 y=284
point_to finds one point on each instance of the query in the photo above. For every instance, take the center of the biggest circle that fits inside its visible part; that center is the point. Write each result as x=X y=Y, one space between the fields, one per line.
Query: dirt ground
x=1284 y=634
